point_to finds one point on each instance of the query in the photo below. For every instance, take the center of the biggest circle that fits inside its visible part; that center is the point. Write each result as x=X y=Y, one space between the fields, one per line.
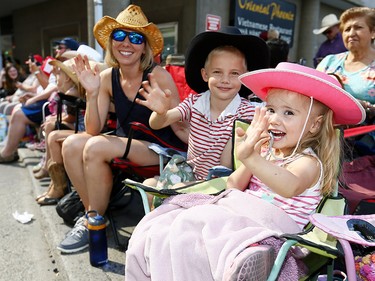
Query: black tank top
x=129 y=111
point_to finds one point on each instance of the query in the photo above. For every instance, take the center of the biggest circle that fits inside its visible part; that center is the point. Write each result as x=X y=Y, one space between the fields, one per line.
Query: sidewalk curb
x=70 y=266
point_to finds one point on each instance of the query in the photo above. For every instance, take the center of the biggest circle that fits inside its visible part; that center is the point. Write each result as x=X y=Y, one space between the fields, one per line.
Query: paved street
x=28 y=251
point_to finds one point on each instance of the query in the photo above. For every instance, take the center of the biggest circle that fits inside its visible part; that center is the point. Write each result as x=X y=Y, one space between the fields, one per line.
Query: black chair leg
x=114 y=229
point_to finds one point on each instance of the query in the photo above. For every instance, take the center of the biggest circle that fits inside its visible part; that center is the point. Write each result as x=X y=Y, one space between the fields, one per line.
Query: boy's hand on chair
x=255 y=137
x=154 y=98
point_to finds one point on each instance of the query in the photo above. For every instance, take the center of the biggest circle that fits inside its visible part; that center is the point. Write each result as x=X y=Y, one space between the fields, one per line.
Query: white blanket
x=200 y=242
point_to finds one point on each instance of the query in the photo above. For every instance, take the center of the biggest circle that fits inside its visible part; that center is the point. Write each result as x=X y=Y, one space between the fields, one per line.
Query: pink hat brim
x=309 y=82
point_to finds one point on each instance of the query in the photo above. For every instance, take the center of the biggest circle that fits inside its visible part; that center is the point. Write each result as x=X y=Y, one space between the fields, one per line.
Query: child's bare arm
x=240 y=178
x=159 y=102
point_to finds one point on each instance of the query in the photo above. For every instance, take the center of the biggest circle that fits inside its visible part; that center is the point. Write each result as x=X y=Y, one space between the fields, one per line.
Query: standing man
x=333 y=44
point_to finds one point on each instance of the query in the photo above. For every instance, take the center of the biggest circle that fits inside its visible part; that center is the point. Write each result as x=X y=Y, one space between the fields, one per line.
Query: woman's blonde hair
x=147 y=58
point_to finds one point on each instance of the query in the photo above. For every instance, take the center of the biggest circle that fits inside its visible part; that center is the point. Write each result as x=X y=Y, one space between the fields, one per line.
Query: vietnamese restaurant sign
x=254 y=17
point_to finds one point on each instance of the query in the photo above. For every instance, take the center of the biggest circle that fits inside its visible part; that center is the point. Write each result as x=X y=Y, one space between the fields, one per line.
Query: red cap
x=38 y=58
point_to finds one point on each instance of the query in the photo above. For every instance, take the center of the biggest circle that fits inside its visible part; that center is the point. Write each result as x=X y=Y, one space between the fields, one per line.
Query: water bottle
x=97 y=238
x=3 y=127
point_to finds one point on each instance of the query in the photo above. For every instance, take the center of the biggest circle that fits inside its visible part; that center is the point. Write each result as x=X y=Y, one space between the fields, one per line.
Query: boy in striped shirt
x=214 y=61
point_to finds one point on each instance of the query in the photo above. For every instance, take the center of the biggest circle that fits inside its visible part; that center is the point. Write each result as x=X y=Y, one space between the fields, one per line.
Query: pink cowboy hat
x=309 y=82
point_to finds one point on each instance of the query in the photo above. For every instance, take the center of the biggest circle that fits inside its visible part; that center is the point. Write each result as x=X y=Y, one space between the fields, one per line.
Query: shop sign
x=254 y=17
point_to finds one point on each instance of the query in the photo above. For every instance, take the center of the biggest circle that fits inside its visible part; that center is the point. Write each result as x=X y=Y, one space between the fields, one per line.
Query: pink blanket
x=200 y=241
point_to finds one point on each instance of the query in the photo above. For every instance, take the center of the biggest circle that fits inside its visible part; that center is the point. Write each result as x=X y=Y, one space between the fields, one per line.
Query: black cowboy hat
x=254 y=48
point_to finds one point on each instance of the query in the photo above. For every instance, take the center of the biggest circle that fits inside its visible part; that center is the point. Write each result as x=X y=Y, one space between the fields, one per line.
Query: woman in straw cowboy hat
x=68 y=84
x=131 y=42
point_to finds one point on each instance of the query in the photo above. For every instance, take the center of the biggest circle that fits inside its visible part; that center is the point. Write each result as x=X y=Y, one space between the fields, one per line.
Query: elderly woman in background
x=356 y=67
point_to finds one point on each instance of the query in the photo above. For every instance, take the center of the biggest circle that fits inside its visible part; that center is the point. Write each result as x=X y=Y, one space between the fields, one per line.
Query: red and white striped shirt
x=208 y=137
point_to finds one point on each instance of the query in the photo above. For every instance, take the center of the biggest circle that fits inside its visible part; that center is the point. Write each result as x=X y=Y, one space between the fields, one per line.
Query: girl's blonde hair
x=147 y=58
x=326 y=144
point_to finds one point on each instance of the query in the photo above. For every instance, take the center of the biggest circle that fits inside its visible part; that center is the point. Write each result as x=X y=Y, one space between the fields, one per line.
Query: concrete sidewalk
x=77 y=266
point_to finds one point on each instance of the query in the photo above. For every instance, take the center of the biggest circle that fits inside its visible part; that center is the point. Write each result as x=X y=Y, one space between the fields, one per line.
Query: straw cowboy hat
x=309 y=82
x=254 y=48
x=67 y=67
x=327 y=22
x=134 y=19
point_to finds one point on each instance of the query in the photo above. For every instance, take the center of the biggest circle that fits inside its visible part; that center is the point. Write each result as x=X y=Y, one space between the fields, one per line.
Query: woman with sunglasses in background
x=131 y=43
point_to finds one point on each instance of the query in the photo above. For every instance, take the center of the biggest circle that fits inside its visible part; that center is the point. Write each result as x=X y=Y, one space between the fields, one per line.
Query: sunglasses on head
x=134 y=37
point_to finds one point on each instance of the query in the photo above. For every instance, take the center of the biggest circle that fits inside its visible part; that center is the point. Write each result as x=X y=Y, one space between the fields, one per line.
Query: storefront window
x=169 y=31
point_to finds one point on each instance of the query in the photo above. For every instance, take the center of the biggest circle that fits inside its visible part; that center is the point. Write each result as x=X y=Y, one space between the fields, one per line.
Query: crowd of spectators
x=130 y=84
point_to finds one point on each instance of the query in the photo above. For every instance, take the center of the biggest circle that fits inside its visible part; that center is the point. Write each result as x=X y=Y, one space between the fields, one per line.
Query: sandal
x=43 y=173
x=9 y=159
x=47 y=201
x=41 y=195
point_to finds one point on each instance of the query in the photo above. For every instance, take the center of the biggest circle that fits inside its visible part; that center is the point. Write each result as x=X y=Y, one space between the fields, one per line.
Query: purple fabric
x=330 y=47
x=292 y=268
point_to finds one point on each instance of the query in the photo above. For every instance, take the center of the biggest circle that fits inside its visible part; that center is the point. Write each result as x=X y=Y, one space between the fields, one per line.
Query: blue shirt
x=360 y=84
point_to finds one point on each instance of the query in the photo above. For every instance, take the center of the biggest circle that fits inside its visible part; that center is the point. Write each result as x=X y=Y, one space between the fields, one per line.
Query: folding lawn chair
x=138 y=172
x=356 y=181
x=348 y=229
x=323 y=248
x=75 y=103
x=123 y=168
x=214 y=184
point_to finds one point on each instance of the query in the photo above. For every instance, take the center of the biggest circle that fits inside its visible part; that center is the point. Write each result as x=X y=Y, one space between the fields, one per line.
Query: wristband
x=36 y=72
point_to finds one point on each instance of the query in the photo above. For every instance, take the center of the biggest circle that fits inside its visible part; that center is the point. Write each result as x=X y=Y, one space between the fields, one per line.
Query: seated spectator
x=48 y=80
x=8 y=84
x=214 y=61
x=28 y=88
x=273 y=192
x=355 y=67
x=31 y=111
x=67 y=83
x=131 y=42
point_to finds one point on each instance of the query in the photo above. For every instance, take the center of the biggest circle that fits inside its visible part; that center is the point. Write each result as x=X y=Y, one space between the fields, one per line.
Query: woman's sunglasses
x=134 y=37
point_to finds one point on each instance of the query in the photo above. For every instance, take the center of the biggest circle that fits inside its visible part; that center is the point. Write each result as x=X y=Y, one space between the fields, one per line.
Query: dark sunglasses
x=329 y=31
x=134 y=37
